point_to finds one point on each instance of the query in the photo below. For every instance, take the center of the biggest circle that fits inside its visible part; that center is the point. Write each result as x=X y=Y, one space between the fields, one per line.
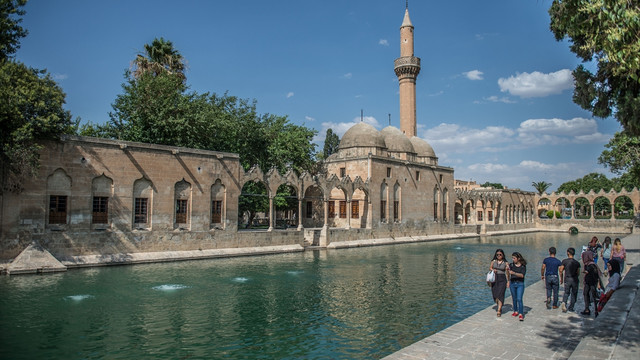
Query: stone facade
x=104 y=196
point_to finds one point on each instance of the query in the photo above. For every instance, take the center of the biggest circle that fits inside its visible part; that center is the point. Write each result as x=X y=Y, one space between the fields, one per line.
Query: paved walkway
x=545 y=334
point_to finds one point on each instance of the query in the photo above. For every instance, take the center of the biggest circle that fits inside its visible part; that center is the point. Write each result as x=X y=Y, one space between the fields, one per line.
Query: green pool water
x=359 y=303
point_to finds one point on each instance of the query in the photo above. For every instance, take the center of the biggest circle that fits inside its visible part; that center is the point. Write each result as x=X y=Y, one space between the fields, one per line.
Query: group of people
x=555 y=272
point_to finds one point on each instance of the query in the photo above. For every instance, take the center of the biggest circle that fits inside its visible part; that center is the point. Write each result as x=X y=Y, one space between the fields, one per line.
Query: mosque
x=102 y=201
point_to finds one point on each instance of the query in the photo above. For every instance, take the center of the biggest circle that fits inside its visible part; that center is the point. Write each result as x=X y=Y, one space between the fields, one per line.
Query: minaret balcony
x=407 y=65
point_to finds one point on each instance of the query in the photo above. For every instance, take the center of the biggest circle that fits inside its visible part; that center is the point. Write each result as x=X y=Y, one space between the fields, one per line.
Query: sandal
x=499 y=313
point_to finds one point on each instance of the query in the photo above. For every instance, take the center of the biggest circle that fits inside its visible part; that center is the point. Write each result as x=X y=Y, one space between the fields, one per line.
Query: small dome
x=422 y=147
x=396 y=140
x=362 y=135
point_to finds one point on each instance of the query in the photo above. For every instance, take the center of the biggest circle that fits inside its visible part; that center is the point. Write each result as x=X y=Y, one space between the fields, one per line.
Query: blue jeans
x=517 y=291
x=553 y=284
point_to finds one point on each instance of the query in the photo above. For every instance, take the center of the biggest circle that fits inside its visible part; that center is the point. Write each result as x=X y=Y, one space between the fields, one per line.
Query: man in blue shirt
x=549 y=274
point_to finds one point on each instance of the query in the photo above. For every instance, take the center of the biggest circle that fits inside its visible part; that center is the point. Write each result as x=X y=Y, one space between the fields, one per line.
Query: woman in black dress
x=500 y=267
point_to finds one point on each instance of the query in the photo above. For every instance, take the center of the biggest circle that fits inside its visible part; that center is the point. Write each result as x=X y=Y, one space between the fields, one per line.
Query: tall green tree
x=623 y=158
x=541 y=186
x=11 y=32
x=606 y=31
x=31 y=108
x=331 y=143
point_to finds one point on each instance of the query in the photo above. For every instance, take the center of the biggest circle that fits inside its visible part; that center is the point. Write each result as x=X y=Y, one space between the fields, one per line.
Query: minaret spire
x=407 y=68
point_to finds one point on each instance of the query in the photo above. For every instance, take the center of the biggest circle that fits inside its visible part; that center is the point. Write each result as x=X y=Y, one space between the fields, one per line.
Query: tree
x=623 y=158
x=10 y=30
x=331 y=143
x=31 y=107
x=493 y=185
x=593 y=181
x=541 y=186
x=607 y=31
x=159 y=58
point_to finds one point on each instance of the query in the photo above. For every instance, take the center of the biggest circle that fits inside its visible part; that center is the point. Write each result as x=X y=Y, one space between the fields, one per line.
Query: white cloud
x=290 y=94
x=383 y=42
x=347 y=75
x=503 y=99
x=309 y=118
x=474 y=75
x=537 y=84
x=557 y=131
x=487 y=168
x=59 y=77
x=455 y=139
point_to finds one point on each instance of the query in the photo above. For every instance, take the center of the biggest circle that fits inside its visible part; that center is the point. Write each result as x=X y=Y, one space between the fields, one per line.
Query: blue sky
x=493 y=95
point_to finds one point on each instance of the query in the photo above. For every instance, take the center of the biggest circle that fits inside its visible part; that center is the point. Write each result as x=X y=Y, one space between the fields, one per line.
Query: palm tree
x=541 y=186
x=159 y=57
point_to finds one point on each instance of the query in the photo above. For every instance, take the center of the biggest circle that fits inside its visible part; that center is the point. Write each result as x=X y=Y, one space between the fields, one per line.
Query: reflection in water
x=353 y=303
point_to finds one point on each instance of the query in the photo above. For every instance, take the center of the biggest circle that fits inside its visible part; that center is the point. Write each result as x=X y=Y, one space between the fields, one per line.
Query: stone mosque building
x=100 y=201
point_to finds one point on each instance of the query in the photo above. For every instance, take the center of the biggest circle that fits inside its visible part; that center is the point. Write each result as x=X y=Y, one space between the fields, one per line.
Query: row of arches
x=579 y=207
x=326 y=201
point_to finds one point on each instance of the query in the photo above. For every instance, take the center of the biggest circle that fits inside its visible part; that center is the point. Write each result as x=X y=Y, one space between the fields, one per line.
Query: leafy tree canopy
x=10 y=30
x=593 y=181
x=623 y=158
x=31 y=107
x=605 y=31
x=493 y=185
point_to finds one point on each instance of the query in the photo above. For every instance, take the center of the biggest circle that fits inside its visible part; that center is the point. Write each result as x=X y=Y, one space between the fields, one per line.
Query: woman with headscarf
x=614 y=282
x=591 y=282
x=500 y=267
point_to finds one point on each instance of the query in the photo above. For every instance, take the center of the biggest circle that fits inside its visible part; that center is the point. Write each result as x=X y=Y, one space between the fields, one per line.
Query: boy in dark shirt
x=570 y=277
x=549 y=274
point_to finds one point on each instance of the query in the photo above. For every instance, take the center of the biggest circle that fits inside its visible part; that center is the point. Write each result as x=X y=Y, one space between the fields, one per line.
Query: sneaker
x=586 y=312
x=521 y=317
x=555 y=306
x=515 y=313
x=564 y=307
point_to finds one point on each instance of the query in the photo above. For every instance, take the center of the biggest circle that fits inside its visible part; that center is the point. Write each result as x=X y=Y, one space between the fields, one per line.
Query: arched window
x=59 y=192
x=218 y=209
x=101 y=192
x=142 y=203
x=182 y=191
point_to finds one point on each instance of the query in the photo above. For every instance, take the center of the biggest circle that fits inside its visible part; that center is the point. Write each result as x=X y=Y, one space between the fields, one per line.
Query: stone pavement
x=545 y=334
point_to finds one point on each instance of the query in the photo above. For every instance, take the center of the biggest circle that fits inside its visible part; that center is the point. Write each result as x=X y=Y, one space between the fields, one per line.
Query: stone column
x=271 y=215
x=593 y=208
x=300 y=227
x=348 y=214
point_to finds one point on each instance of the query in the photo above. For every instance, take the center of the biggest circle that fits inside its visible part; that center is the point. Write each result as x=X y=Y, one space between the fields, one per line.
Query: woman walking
x=606 y=252
x=618 y=253
x=594 y=246
x=500 y=267
x=517 y=270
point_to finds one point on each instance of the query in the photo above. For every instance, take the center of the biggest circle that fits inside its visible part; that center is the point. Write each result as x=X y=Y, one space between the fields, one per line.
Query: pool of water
x=343 y=304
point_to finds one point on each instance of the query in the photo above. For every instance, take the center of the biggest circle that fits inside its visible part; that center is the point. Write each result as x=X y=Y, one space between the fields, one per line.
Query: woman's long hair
x=607 y=242
x=495 y=255
x=617 y=244
x=518 y=256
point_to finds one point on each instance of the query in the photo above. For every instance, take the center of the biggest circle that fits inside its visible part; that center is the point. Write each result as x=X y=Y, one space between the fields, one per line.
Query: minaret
x=407 y=68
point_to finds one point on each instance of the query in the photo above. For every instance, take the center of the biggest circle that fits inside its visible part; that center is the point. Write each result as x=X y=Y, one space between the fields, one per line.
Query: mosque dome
x=362 y=135
x=396 y=141
x=422 y=148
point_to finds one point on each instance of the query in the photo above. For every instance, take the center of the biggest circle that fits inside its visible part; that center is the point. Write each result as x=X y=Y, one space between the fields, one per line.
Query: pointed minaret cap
x=406 y=21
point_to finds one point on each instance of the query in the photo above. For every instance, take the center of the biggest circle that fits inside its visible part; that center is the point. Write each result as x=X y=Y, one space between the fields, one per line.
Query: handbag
x=491 y=277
